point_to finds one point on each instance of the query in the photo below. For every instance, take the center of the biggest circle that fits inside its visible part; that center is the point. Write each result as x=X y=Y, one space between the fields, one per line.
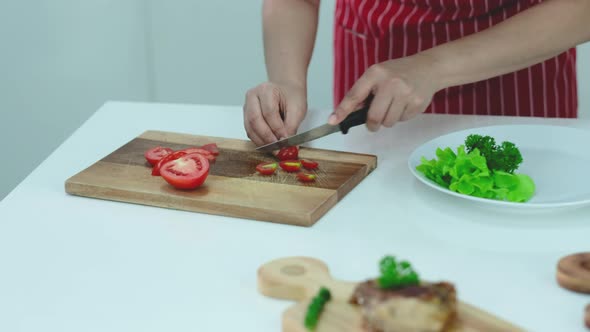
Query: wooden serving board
x=300 y=278
x=233 y=187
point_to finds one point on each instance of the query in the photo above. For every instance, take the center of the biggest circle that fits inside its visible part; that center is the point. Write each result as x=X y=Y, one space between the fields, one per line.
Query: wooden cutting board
x=233 y=187
x=300 y=278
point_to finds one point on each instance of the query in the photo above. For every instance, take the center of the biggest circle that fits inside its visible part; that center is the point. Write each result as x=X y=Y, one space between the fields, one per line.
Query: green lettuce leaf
x=468 y=173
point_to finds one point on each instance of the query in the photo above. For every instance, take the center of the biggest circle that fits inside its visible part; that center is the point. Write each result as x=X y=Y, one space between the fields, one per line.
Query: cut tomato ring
x=154 y=155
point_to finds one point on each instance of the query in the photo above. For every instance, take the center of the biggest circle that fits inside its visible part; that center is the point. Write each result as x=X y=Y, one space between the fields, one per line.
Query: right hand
x=273 y=111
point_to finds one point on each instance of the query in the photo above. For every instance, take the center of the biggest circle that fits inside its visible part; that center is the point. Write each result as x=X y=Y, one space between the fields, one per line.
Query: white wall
x=211 y=51
x=61 y=59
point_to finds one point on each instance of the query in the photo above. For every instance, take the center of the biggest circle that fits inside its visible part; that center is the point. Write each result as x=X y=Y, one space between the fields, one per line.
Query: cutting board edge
x=352 y=182
x=147 y=135
x=122 y=196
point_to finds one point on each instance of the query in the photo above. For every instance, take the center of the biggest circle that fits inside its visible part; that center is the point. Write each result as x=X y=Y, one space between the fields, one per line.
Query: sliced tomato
x=154 y=155
x=288 y=153
x=290 y=165
x=187 y=172
x=196 y=150
x=309 y=164
x=306 y=177
x=172 y=156
x=211 y=147
x=267 y=168
x=207 y=154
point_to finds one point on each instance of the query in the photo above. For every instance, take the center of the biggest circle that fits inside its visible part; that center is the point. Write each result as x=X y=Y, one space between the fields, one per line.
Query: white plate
x=556 y=158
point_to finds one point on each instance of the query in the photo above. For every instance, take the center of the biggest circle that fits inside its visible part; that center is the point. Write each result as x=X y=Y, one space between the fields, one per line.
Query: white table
x=78 y=264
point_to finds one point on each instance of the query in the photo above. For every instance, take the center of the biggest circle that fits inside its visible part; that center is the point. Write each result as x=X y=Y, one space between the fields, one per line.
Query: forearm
x=289 y=34
x=525 y=39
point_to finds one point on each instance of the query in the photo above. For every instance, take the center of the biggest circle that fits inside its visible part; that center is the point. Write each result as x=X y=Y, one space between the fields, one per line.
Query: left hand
x=402 y=88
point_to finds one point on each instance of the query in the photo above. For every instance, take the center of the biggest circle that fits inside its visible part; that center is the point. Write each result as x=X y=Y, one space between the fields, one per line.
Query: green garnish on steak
x=396 y=274
x=316 y=307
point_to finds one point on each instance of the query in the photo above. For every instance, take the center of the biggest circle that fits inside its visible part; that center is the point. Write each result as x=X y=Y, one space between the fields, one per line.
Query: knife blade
x=352 y=120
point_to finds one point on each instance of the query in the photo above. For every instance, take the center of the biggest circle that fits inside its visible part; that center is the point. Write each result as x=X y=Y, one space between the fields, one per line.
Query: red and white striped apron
x=372 y=31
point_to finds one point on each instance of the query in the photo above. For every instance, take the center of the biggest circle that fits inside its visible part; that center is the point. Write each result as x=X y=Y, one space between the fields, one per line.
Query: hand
x=402 y=88
x=273 y=111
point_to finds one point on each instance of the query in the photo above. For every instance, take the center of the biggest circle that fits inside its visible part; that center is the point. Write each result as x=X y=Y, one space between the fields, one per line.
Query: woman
x=494 y=57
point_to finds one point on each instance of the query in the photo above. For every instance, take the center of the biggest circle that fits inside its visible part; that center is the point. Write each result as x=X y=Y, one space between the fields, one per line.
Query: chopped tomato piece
x=309 y=164
x=207 y=154
x=211 y=147
x=267 y=168
x=154 y=155
x=288 y=153
x=186 y=172
x=290 y=165
x=306 y=177
x=196 y=150
x=172 y=156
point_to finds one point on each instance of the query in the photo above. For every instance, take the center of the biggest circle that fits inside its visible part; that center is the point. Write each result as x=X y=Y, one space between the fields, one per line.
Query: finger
x=294 y=115
x=252 y=135
x=414 y=108
x=257 y=123
x=263 y=131
x=269 y=102
x=395 y=111
x=249 y=131
x=378 y=109
x=353 y=99
x=248 y=104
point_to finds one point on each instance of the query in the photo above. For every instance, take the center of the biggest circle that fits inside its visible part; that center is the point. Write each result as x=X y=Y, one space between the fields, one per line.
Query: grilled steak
x=423 y=308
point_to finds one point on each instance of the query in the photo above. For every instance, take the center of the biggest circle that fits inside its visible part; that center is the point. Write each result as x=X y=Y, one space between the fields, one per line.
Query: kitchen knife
x=352 y=120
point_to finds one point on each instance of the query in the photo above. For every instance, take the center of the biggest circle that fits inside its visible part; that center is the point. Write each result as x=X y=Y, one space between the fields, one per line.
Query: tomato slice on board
x=211 y=147
x=172 y=156
x=267 y=168
x=306 y=177
x=288 y=153
x=309 y=164
x=207 y=154
x=154 y=155
x=290 y=165
x=196 y=150
x=187 y=172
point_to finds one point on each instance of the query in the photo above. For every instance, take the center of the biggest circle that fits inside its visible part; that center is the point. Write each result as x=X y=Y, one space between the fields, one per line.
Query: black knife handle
x=356 y=118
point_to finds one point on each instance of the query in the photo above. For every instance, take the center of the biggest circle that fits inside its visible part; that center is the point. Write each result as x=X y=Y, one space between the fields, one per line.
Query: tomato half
x=309 y=164
x=290 y=165
x=288 y=153
x=186 y=172
x=207 y=154
x=211 y=147
x=267 y=168
x=154 y=155
x=172 y=156
x=306 y=177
